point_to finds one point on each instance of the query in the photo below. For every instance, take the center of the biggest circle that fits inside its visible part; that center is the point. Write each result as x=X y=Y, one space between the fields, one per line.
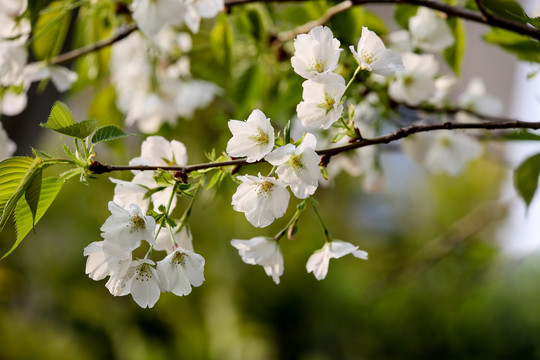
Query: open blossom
x=416 y=83
x=261 y=251
x=322 y=96
x=429 y=31
x=182 y=239
x=253 y=138
x=180 y=270
x=261 y=198
x=316 y=52
x=151 y=15
x=475 y=98
x=298 y=167
x=319 y=261
x=442 y=151
x=373 y=56
x=61 y=77
x=197 y=9
x=126 y=228
x=105 y=259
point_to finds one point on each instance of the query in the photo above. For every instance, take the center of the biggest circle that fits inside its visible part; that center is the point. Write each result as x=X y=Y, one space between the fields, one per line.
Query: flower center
x=142 y=273
x=261 y=138
x=368 y=57
x=408 y=80
x=265 y=188
x=296 y=161
x=178 y=259
x=328 y=103
x=317 y=65
x=445 y=142
x=137 y=223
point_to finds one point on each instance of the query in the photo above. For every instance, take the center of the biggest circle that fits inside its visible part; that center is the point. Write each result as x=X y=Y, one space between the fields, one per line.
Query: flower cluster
x=153 y=95
x=129 y=226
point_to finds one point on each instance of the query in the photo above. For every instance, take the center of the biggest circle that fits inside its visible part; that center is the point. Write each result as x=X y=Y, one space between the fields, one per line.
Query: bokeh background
x=442 y=281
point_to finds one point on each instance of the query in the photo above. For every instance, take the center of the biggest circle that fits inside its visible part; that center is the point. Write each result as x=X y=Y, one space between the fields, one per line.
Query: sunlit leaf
x=108 y=133
x=50 y=30
x=526 y=178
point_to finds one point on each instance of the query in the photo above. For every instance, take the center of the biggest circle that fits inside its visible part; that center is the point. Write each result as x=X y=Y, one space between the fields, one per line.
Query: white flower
x=129 y=192
x=7 y=146
x=144 y=283
x=475 y=98
x=13 y=103
x=197 y=9
x=261 y=251
x=13 y=8
x=442 y=151
x=416 y=83
x=316 y=52
x=430 y=32
x=12 y=61
x=182 y=239
x=151 y=15
x=373 y=56
x=319 y=261
x=321 y=106
x=443 y=87
x=298 y=167
x=253 y=138
x=180 y=270
x=105 y=259
x=193 y=95
x=126 y=228
x=156 y=150
x=400 y=41
x=262 y=199
x=61 y=77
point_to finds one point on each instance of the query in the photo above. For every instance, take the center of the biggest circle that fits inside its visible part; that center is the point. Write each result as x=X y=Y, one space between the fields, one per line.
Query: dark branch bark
x=98 y=168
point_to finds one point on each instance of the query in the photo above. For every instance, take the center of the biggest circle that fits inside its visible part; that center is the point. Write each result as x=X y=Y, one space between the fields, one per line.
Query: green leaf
x=221 y=40
x=508 y=9
x=15 y=177
x=521 y=46
x=62 y=121
x=24 y=220
x=454 y=54
x=403 y=13
x=216 y=178
x=31 y=195
x=526 y=178
x=50 y=30
x=108 y=133
x=521 y=135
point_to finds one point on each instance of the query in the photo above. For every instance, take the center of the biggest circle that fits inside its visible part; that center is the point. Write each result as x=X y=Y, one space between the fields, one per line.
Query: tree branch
x=449 y=10
x=74 y=54
x=401 y=133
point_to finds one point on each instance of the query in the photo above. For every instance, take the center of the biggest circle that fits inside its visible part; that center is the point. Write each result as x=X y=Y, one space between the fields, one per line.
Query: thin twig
x=334 y=10
x=449 y=10
x=98 y=168
x=74 y=54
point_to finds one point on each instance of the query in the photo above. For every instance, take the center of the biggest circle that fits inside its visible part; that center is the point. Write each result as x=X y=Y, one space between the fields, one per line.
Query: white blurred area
x=520 y=235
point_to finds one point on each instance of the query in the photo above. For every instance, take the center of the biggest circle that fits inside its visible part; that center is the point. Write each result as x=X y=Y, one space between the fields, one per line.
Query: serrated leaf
x=526 y=178
x=15 y=184
x=454 y=54
x=31 y=195
x=108 y=133
x=79 y=130
x=60 y=117
x=24 y=221
x=50 y=30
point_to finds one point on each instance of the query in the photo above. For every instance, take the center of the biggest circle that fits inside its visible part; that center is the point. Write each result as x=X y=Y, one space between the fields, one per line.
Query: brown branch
x=401 y=133
x=334 y=10
x=74 y=54
x=449 y=10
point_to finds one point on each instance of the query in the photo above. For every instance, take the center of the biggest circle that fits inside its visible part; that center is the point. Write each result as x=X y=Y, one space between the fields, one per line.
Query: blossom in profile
x=261 y=251
x=415 y=83
x=261 y=198
x=181 y=239
x=126 y=228
x=373 y=56
x=319 y=261
x=316 y=52
x=253 y=138
x=105 y=259
x=298 y=166
x=430 y=32
x=151 y=15
x=180 y=270
x=322 y=96
x=197 y=9
x=475 y=98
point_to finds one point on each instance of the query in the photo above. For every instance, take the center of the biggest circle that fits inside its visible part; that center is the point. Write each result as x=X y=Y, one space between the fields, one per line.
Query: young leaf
x=108 y=133
x=526 y=178
x=521 y=46
x=31 y=194
x=508 y=9
x=50 y=30
x=454 y=54
x=24 y=220
x=60 y=117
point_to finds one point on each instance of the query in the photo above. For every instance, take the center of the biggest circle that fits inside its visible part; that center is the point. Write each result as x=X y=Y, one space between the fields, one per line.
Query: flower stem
x=299 y=209
x=325 y=230
x=167 y=210
x=349 y=83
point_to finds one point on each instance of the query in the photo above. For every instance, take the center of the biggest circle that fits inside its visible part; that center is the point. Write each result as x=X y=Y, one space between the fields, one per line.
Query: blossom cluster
x=152 y=95
x=129 y=226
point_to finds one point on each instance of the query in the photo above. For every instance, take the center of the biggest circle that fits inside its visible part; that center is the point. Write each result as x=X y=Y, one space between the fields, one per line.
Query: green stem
x=349 y=83
x=300 y=208
x=167 y=210
x=325 y=230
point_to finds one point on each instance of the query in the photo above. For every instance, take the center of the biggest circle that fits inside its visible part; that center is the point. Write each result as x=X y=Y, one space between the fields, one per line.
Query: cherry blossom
x=261 y=251
x=105 y=259
x=316 y=52
x=322 y=96
x=151 y=15
x=416 y=83
x=261 y=198
x=7 y=146
x=429 y=31
x=373 y=56
x=180 y=270
x=475 y=98
x=298 y=167
x=182 y=239
x=253 y=138
x=319 y=261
